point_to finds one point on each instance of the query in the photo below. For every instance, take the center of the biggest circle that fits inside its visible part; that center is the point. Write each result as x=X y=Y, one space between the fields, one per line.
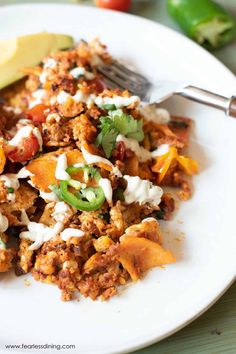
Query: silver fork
x=116 y=75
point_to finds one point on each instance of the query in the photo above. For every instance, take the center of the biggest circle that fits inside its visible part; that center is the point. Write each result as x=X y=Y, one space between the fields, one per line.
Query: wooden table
x=215 y=331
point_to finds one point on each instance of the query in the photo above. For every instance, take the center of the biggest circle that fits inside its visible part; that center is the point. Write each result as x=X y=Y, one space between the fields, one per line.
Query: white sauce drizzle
x=40 y=233
x=161 y=150
x=155 y=114
x=25 y=132
x=118 y=101
x=132 y=144
x=61 y=173
x=49 y=197
x=105 y=184
x=10 y=181
x=80 y=71
x=61 y=212
x=70 y=232
x=49 y=64
x=93 y=159
x=142 y=153
x=37 y=97
x=63 y=97
x=141 y=191
x=24 y=173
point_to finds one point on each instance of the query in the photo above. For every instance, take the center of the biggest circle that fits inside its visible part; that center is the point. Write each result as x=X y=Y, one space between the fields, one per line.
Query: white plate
x=165 y=300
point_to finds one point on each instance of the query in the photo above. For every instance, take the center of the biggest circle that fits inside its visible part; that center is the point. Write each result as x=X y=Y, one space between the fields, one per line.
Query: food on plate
x=84 y=171
x=28 y=51
x=205 y=21
x=119 y=5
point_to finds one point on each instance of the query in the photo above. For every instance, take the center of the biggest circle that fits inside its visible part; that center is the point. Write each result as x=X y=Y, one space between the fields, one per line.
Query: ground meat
x=25 y=257
x=92 y=223
x=181 y=128
x=149 y=229
x=117 y=222
x=180 y=181
x=25 y=198
x=167 y=207
x=101 y=272
x=71 y=108
x=83 y=129
x=56 y=133
x=3 y=192
x=6 y=258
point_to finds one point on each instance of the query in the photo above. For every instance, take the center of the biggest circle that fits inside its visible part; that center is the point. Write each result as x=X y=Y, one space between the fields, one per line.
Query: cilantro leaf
x=138 y=134
x=108 y=141
x=117 y=122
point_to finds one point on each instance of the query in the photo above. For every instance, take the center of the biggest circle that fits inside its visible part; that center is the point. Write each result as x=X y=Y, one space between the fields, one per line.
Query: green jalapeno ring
x=76 y=200
x=94 y=195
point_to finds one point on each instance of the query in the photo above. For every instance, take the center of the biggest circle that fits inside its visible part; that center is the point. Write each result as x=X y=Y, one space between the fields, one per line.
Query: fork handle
x=227 y=105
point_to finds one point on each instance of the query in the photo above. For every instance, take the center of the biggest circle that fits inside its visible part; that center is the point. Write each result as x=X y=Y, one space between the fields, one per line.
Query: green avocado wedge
x=28 y=51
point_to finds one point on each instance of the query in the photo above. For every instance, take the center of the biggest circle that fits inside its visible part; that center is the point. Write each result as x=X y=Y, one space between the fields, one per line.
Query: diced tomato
x=36 y=114
x=98 y=84
x=120 y=5
x=25 y=151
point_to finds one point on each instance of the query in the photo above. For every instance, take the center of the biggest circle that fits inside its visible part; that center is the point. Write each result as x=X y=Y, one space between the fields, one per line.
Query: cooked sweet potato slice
x=43 y=168
x=138 y=254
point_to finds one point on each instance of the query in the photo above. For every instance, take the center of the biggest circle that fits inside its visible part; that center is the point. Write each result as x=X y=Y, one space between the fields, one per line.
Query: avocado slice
x=28 y=51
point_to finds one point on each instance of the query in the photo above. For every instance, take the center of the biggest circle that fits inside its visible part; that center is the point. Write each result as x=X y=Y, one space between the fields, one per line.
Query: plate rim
x=231 y=75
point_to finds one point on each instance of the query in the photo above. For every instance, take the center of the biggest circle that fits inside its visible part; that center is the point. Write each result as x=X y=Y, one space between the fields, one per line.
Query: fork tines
x=116 y=75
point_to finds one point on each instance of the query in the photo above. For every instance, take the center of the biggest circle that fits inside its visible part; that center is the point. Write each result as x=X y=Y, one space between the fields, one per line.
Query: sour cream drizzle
x=49 y=197
x=93 y=159
x=61 y=173
x=155 y=114
x=49 y=64
x=105 y=184
x=118 y=101
x=142 y=153
x=40 y=233
x=80 y=96
x=10 y=181
x=61 y=212
x=132 y=144
x=25 y=132
x=80 y=71
x=24 y=173
x=141 y=191
x=37 y=97
x=70 y=232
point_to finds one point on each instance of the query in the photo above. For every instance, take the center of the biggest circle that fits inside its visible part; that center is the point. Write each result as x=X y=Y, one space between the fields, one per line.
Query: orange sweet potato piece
x=138 y=254
x=2 y=159
x=44 y=167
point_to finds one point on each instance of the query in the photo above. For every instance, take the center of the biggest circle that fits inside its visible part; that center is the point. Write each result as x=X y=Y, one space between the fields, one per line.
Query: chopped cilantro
x=10 y=190
x=108 y=107
x=117 y=122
